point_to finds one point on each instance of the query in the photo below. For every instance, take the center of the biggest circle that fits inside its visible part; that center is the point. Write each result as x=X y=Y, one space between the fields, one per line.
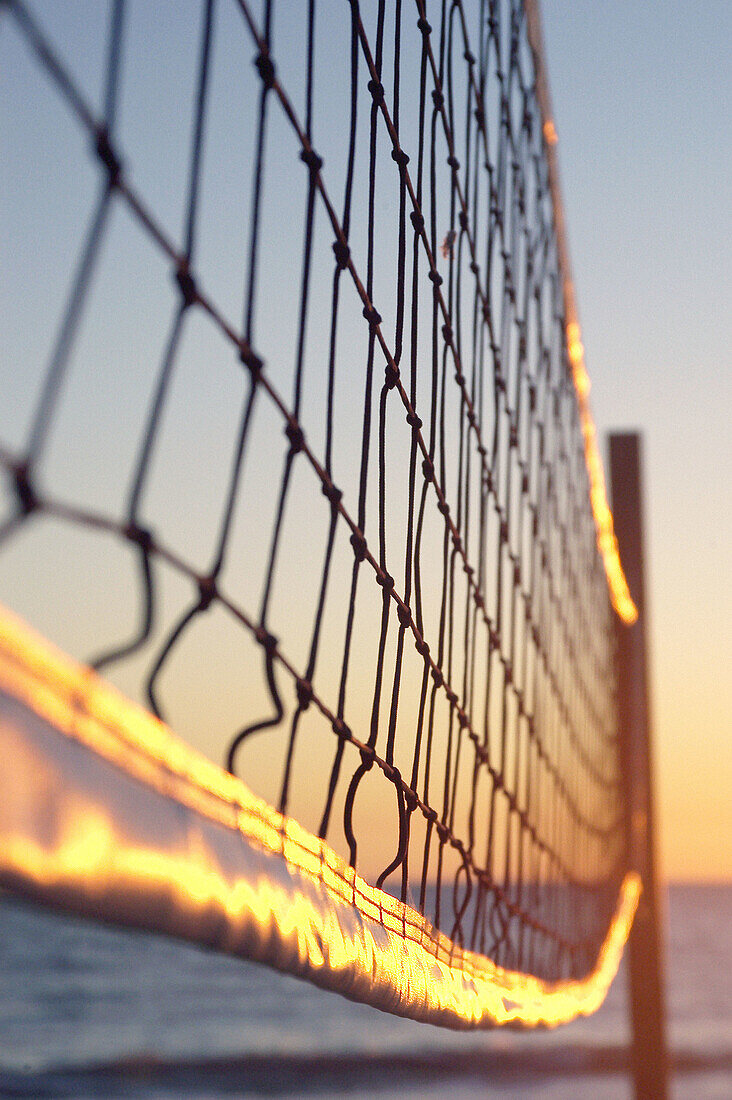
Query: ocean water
x=94 y=1012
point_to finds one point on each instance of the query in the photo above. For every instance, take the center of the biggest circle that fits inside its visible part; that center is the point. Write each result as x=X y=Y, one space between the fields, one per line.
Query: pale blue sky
x=642 y=95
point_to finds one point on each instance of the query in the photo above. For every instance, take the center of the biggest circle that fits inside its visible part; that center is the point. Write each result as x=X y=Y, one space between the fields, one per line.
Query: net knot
x=443 y=508
x=447 y=334
x=442 y=831
x=342 y=254
x=411 y=800
x=435 y=277
x=294 y=433
x=422 y=647
x=367 y=757
x=372 y=315
x=107 y=155
x=385 y=580
x=417 y=221
x=24 y=490
x=339 y=727
x=400 y=157
x=391 y=376
x=252 y=361
x=140 y=535
x=424 y=26
x=311 y=158
x=377 y=91
x=391 y=772
x=404 y=614
x=428 y=468
x=453 y=162
x=438 y=677
x=414 y=421
x=207 y=592
x=438 y=99
x=266 y=640
x=358 y=542
x=266 y=69
x=186 y=284
x=304 y=691
x=463 y=220
x=332 y=492
x=469 y=57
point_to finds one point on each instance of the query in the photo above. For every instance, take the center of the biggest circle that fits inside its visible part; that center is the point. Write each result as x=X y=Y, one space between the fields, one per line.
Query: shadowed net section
x=292 y=451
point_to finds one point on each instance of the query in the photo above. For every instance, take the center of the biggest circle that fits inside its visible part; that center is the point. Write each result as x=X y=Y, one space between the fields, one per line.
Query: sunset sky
x=642 y=95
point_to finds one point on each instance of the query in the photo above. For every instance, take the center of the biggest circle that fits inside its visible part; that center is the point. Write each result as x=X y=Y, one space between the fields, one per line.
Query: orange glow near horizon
x=187 y=849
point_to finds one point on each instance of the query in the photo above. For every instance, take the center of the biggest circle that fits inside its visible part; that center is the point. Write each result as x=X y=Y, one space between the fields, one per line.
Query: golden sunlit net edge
x=107 y=813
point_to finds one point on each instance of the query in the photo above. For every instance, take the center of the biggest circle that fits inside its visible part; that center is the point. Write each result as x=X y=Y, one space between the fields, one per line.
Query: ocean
x=95 y=1012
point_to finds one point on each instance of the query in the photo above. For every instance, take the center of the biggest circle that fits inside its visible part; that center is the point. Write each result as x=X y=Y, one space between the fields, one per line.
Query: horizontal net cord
x=187 y=849
x=532 y=623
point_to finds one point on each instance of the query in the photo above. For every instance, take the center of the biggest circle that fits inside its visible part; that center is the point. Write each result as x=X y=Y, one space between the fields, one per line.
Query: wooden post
x=649 y=1057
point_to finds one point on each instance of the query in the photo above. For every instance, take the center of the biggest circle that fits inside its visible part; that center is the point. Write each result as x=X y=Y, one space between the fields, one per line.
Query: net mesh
x=291 y=448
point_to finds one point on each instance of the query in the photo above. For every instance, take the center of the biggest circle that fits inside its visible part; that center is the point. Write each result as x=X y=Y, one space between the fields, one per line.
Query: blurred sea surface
x=94 y=1012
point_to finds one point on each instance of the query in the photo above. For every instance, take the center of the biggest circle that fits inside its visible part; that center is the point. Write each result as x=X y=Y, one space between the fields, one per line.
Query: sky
x=642 y=95
x=641 y=98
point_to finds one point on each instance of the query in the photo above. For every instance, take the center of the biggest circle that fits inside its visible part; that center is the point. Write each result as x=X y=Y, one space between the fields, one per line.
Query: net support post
x=649 y=1056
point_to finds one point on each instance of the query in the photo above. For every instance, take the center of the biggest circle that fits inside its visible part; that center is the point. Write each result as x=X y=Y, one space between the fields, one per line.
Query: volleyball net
x=296 y=453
